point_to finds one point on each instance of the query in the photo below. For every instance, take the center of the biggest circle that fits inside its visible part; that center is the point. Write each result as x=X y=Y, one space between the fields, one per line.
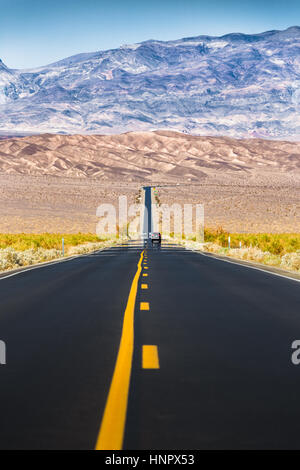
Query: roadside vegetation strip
x=22 y=250
x=271 y=269
x=24 y=268
x=293 y=276
x=112 y=427
x=20 y=270
x=280 y=251
x=288 y=262
x=273 y=243
x=26 y=241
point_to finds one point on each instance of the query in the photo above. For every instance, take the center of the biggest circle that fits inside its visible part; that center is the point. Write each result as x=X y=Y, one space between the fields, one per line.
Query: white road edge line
x=46 y=264
x=244 y=265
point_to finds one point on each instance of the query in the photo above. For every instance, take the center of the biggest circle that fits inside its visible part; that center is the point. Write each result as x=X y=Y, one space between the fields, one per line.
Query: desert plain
x=54 y=182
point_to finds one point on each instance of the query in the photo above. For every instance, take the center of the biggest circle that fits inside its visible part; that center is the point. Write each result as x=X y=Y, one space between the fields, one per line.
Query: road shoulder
x=259 y=266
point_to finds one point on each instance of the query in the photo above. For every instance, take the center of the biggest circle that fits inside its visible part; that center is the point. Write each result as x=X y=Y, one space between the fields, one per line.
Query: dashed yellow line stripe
x=112 y=427
x=150 y=357
x=144 y=286
x=144 y=306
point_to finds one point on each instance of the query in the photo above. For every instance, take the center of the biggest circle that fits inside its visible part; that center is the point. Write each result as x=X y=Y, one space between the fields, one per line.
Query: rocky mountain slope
x=236 y=85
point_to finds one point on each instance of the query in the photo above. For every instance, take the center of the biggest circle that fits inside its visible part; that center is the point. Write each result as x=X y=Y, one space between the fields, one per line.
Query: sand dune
x=55 y=182
x=144 y=156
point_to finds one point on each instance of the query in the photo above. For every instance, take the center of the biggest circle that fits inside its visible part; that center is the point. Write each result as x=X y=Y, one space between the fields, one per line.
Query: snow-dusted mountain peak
x=239 y=85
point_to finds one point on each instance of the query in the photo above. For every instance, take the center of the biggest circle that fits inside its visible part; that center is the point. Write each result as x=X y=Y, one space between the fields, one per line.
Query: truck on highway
x=155 y=238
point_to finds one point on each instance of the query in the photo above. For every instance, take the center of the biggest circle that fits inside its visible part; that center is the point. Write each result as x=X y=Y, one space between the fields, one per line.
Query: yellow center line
x=144 y=286
x=144 y=306
x=145 y=274
x=145 y=267
x=112 y=427
x=150 y=357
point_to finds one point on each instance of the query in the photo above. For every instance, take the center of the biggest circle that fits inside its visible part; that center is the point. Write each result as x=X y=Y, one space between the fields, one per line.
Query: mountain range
x=236 y=85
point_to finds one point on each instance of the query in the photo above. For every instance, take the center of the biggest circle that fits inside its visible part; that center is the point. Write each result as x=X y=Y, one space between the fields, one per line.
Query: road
x=222 y=378
x=148 y=221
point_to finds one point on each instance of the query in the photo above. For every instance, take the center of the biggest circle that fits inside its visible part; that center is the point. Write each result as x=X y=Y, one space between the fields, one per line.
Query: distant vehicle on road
x=155 y=238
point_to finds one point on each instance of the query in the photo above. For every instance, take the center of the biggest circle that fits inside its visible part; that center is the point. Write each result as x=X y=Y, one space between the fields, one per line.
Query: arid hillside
x=144 y=156
x=55 y=182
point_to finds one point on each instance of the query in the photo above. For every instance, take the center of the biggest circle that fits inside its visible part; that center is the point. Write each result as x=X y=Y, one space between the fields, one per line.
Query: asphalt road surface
x=216 y=372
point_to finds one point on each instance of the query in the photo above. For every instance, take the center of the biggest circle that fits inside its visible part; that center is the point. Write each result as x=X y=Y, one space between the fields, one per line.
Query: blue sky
x=38 y=32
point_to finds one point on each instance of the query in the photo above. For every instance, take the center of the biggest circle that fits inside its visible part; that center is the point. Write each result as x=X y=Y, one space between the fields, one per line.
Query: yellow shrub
x=25 y=241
